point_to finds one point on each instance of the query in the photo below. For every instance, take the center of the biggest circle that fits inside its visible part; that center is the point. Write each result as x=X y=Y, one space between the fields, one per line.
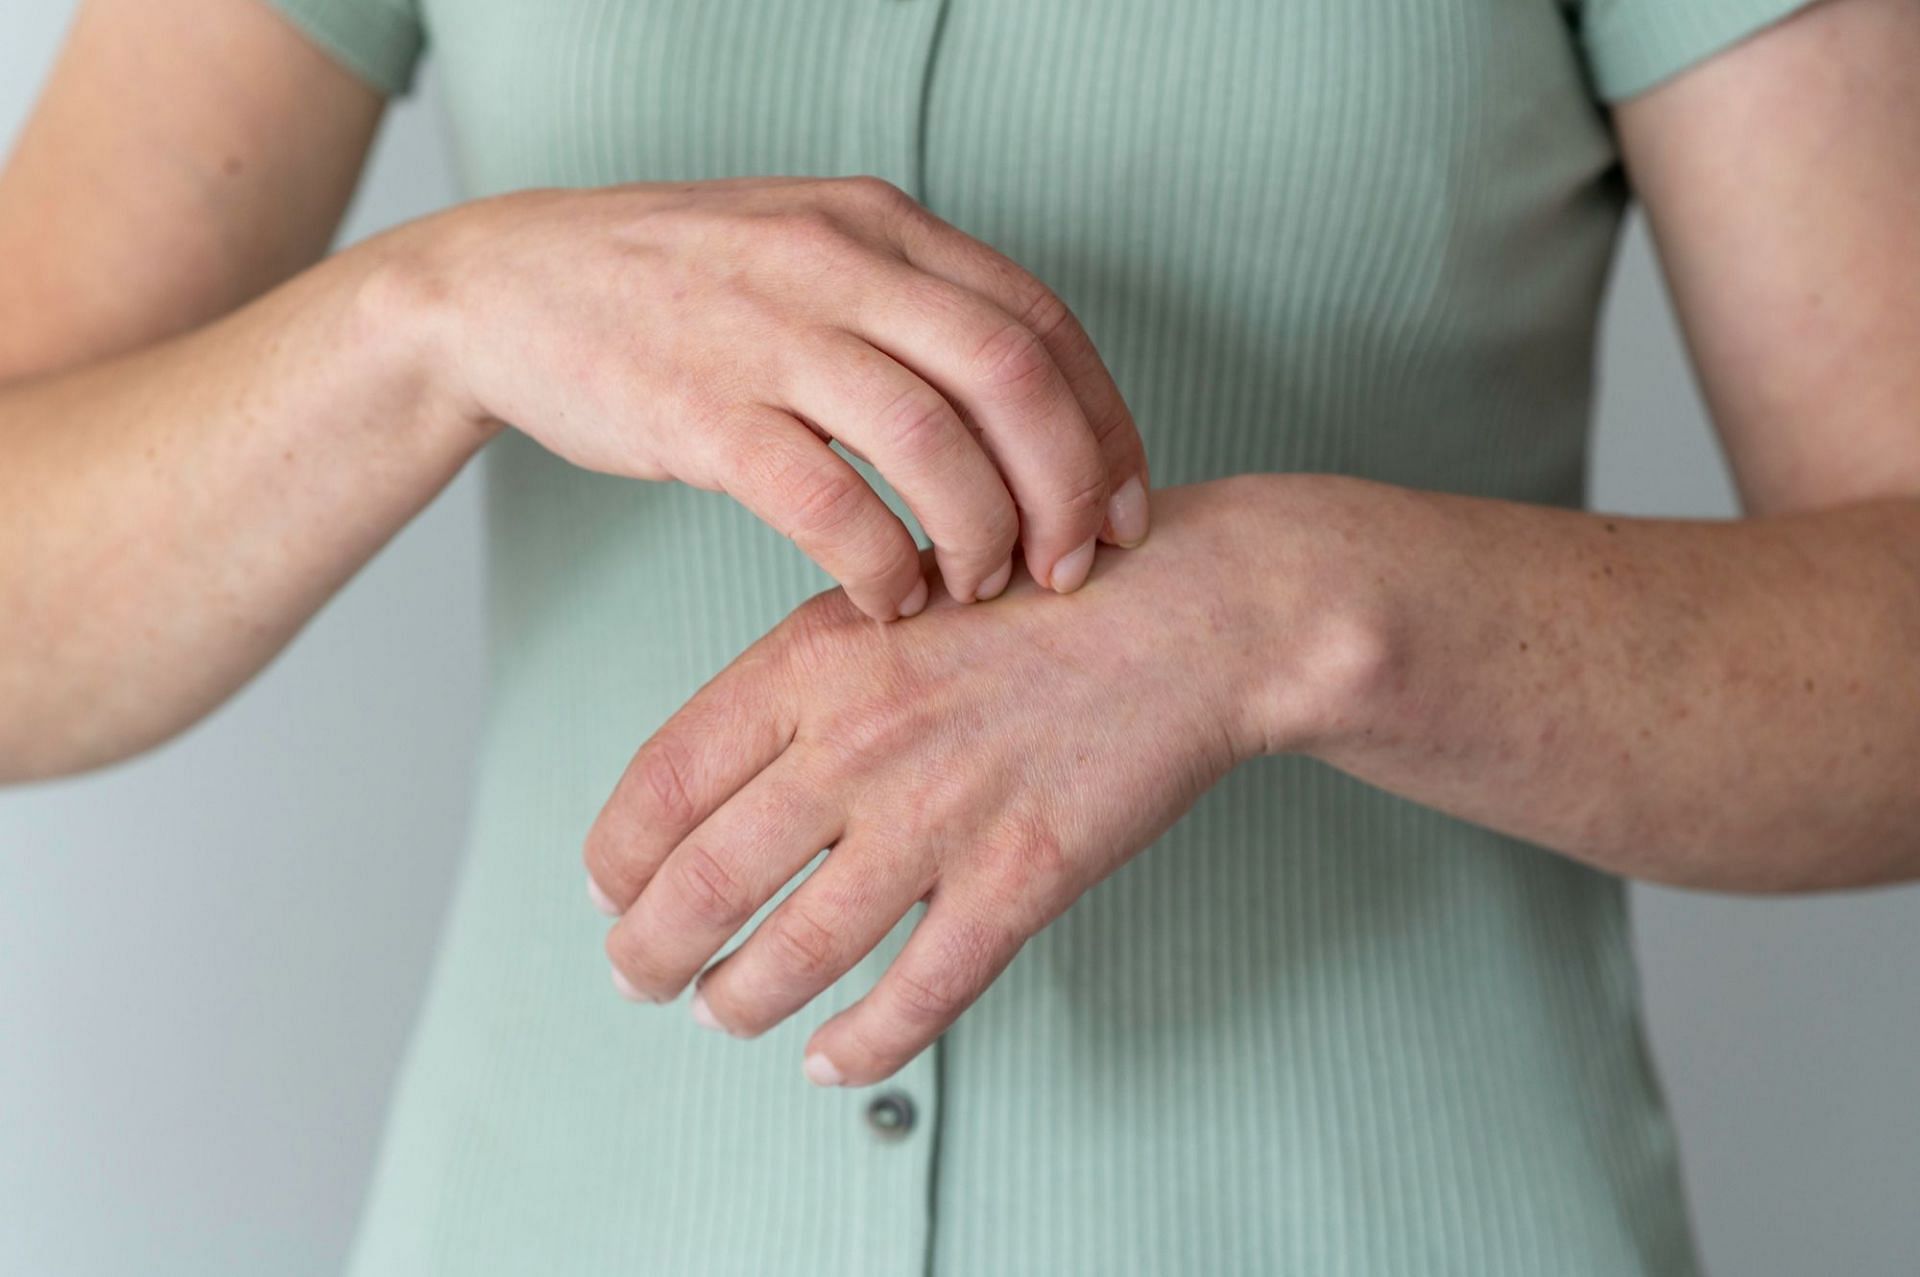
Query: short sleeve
x=379 y=40
x=1632 y=45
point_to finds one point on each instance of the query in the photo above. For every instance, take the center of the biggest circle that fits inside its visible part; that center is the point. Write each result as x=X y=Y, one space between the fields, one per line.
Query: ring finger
x=833 y=919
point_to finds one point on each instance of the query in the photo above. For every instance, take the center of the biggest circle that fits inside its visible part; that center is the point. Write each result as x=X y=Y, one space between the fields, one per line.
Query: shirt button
x=890 y=1115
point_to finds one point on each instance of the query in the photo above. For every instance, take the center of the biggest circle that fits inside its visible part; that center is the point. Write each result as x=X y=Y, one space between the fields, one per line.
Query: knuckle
x=874 y=191
x=811 y=229
x=936 y=300
x=1085 y=495
x=663 y=771
x=983 y=549
x=920 y=423
x=876 y=1049
x=710 y=890
x=1013 y=361
x=1031 y=870
x=801 y=943
x=826 y=500
x=930 y=999
x=1113 y=424
x=982 y=539
x=1046 y=313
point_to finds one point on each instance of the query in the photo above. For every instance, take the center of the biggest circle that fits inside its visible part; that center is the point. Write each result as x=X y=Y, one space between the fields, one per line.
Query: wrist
x=1320 y=649
x=403 y=322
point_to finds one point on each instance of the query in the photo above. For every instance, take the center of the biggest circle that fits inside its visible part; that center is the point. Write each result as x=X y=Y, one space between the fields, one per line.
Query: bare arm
x=182 y=159
x=203 y=433
x=178 y=496
x=1731 y=705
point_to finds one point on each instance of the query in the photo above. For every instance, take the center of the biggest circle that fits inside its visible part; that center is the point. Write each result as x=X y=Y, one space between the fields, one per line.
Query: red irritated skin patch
x=979 y=759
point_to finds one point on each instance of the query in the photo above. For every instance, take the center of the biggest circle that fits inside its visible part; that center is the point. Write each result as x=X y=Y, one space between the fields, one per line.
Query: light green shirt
x=1315 y=1029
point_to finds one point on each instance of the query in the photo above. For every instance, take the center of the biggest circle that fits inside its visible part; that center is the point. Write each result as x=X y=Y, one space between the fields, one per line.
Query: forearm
x=1730 y=705
x=169 y=519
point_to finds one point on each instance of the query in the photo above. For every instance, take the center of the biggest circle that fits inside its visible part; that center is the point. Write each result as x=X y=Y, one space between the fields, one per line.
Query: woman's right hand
x=721 y=333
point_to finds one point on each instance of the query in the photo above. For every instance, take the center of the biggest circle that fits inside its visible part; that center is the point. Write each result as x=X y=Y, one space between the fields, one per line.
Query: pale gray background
x=209 y=957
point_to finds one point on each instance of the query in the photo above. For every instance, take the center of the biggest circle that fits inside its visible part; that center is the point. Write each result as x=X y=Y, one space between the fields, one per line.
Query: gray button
x=890 y=1115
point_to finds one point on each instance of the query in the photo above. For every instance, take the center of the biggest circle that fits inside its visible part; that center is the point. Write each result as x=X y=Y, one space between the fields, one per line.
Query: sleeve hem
x=381 y=46
x=1630 y=57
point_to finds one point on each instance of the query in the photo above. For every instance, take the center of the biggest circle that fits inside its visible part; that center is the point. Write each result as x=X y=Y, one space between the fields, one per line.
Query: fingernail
x=993 y=585
x=703 y=1014
x=820 y=1071
x=627 y=989
x=1072 y=569
x=1127 y=513
x=601 y=900
x=916 y=599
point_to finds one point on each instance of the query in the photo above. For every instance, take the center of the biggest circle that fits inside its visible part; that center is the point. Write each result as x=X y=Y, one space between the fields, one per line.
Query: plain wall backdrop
x=210 y=957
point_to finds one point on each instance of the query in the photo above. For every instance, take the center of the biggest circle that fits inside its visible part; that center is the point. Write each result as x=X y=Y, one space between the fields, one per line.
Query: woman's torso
x=1314 y=1029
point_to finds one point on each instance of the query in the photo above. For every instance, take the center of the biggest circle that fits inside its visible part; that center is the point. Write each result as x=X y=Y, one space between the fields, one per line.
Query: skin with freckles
x=780 y=313
x=205 y=429
x=1726 y=705
x=995 y=761
x=1730 y=705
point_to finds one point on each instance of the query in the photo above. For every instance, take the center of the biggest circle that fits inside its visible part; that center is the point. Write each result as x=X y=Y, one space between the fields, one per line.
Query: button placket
x=889 y=58
x=890 y=1133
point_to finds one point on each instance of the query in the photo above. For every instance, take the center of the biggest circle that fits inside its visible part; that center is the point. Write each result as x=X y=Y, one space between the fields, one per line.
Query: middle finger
x=718 y=877
x=1002 y=374
x=832 y=920
x=912 y=435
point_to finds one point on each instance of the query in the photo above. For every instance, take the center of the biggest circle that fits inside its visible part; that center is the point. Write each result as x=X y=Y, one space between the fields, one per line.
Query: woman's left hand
x=995 y=761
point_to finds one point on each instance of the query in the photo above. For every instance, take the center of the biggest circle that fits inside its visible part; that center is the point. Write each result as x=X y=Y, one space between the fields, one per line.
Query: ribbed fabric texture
x=1315 y=1029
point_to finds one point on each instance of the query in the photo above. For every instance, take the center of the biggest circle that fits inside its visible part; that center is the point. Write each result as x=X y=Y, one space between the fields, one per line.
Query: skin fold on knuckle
x=1083 y=496
x=1047 y=316
x=804 y=948
x=1113 y=426
x=809 y=234
x=891 y=214
x=1014 y=364
x=921 y=427
x=1107 y=413
x=711 y=892
x=931 y=994
x=822 y=501
x=926 y=1002
x=875 y=195
x=868 y=1048
x=662 y=788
